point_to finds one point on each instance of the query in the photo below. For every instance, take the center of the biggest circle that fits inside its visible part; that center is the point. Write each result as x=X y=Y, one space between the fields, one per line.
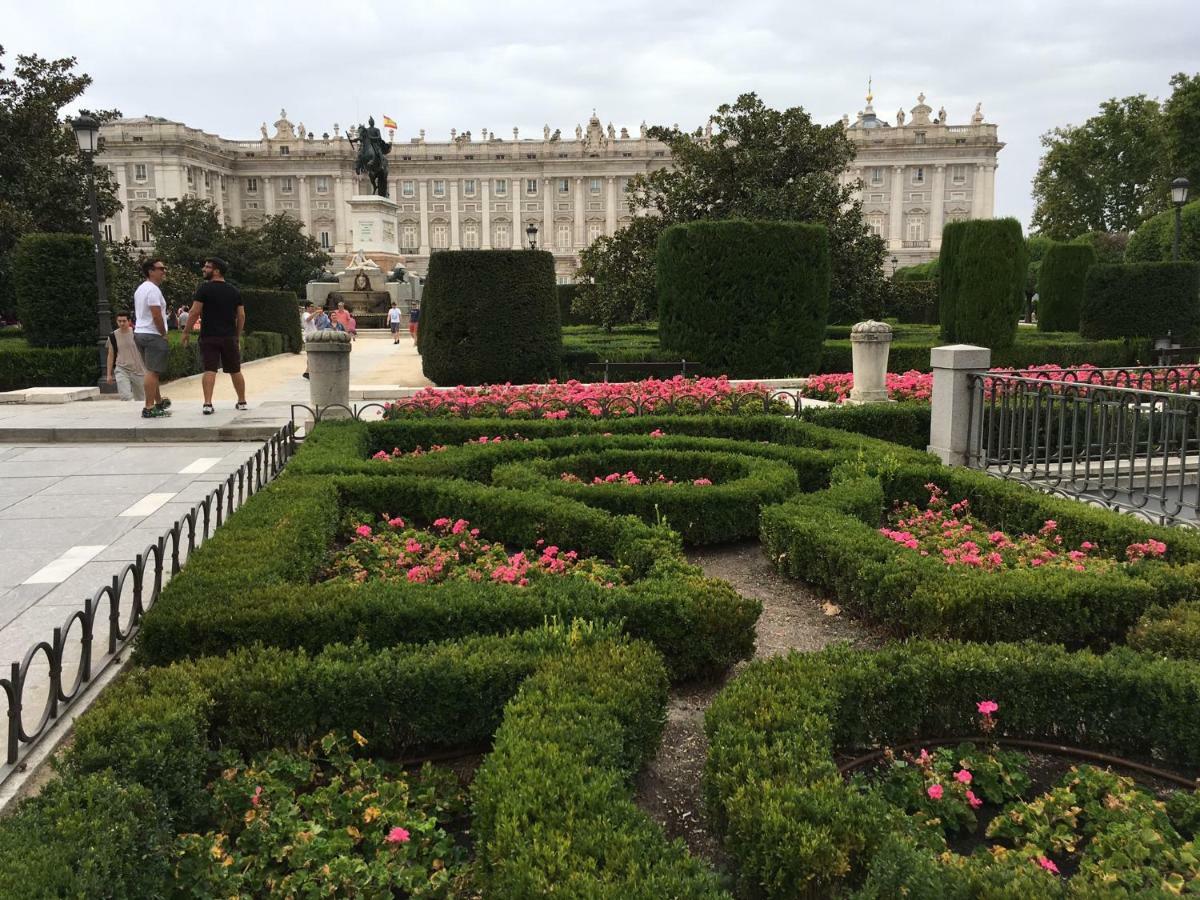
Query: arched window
x=145 y=232
x=470 y=236
x=439 y=236
x=875 y=223
x=562 y=236
x=916 y=228
x=408 y=237
x=503 y=237
x=594 y=230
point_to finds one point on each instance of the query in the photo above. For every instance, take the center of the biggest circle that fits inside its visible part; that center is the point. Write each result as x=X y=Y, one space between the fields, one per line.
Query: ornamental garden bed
x=989 y=561
x=806 y=830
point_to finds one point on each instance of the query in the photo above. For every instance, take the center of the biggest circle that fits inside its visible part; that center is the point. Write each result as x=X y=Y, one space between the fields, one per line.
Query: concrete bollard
x=870 y=343
x=329 y=370
x=953 y=431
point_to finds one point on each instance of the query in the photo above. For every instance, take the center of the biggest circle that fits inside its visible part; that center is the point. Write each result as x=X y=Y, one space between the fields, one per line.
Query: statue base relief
x=374 y=231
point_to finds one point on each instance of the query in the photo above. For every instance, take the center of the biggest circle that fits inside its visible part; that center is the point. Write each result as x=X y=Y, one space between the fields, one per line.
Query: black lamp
x=1179 y=195
x=87 y=135
x=531 y=233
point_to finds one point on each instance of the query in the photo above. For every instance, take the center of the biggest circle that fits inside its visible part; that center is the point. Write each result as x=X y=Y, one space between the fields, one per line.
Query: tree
x=1104 y=175
x=762 y=164
x=1181 y=114
x=187 y=231
x=616 y=275
x=43 y=179
x=290 y=259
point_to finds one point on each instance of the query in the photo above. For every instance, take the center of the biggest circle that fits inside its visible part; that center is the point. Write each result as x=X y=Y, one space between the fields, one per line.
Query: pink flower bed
x=911 y=385
x=582 y=398
x=632 y=478
x=949 y=532
x=450 y=549
x=397 y=453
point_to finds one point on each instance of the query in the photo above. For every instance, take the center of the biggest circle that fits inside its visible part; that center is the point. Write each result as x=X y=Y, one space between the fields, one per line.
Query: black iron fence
x=122 y=602
x=1100 y=435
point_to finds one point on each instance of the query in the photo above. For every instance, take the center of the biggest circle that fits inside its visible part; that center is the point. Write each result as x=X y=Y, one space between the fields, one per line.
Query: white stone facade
x=483 y=192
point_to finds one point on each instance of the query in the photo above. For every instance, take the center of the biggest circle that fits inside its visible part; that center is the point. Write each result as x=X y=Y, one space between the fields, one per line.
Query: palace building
x=484 y=191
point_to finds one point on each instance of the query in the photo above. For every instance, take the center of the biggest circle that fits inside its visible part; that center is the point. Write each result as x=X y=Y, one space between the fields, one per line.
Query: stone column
x=235 y=199
x=423 y=209
x=516 y=187
x=610 y=214
x=547 y=242
x=485 y=196
x=329 y=370
x=122 y=173
x=953 y=430
x=579 y=203
x=346 y=182
x=937 y=210
x=896 y=210
x=268 y=197
x=870 y=342
x=978 y=192
x=305 y=203
x=455 y=242
x=989 y=197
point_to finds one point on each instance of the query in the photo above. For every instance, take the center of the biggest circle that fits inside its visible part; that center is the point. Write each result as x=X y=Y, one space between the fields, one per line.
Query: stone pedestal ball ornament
x=870 y=342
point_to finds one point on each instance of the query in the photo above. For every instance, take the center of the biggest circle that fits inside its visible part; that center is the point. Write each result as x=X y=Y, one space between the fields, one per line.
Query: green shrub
x=1060 y=286
x=490 y=316
x=1142 y=300
x=783 y=725
x=1109 y=245
x=913 y=302
x=274 y=311
x=903 y=423
x=982 y=272
x=567 y=293
x=1173 y=631
x=748 y=298
x=54 y=278
x=1155 y=238
x=926 y=271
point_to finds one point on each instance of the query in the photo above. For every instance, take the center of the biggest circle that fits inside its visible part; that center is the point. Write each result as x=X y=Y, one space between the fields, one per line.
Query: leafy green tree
x=764 y=164
x=1154 y=241
x=187 y=231
x=43 y=179
x=289 y=258
x=1181 y=113
x=1109 y=246
x=616 y=276
x=1104 y=175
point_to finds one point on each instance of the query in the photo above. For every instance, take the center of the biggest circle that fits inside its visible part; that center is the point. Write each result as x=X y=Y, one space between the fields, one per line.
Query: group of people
x=138 y=352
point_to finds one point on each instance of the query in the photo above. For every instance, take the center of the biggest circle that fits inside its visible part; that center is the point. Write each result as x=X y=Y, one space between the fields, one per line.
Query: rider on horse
x=372 y=157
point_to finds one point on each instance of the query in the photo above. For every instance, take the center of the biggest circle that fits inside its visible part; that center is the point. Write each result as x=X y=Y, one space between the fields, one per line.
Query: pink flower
x=987 y=707
x=363 y=531
x=962 y=776
x=973 y=800
x=1047 y=864
x=441 y=523
x=934 y=792
x=701 y=482
x=397 y=836
x=657 y=432
x=396 y=522
x=924 y=758
x=256 y=798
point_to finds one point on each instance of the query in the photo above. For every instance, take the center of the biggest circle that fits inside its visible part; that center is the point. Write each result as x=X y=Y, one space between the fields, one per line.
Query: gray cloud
x=227 y=66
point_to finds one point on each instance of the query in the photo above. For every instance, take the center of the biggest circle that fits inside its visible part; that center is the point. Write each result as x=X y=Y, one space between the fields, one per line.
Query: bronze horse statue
x=372 y=157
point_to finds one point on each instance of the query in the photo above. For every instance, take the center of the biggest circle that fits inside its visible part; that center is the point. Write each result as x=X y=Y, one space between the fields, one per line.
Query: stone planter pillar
x=329 y=370
x=870 y=342
x=953 y=430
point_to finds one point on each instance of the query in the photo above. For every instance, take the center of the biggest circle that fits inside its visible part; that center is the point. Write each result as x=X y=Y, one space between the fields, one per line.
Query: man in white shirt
x=393 y=318
x=150 y=335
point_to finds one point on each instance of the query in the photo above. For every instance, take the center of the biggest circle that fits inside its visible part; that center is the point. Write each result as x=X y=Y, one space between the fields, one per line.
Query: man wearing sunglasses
x=150 y=335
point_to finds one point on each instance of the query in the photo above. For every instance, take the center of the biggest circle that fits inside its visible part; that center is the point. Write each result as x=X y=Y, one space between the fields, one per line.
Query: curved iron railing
x=1119 y=447
x=124 y=601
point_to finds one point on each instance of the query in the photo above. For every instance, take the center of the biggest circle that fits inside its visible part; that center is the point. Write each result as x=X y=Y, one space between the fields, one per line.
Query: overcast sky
x=226 y=67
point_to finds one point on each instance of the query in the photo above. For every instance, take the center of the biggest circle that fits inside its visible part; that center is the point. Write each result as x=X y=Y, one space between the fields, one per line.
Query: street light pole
x=531 y=233
x=86 y=131
x=1179 y=194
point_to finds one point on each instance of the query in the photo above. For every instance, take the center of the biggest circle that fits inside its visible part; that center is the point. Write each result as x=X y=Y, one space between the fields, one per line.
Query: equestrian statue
x=372 y=156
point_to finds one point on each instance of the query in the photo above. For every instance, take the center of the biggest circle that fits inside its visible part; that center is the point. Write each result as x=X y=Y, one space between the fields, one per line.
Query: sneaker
x=306 y=375
x=154 y=412
x=164 y=403
x=208 y=409
x=240 y=405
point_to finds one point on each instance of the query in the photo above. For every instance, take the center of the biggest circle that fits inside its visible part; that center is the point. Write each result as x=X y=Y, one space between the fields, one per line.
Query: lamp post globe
x=1179 y=195
x=87 y=135
x=531 y=232
x=895 y=263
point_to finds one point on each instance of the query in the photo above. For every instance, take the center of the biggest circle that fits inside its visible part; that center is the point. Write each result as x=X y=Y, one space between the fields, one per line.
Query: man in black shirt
x=218 y=308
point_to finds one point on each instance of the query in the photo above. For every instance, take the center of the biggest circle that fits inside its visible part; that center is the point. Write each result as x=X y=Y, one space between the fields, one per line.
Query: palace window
x=208 y=179
x=284 y=151
x=439 y=188
x=469 y=187
x=139 y=172
x=108 y=232
x=408 y=188
x=408 y=238
x=440 y=236
x=531 y=156
x=325 y=244
x=322 y=184
x=595 y=229
x=502 y=239
x=875 y=224
x=191 y=176
x=531 y=187
x=251 y=204
x=562 y=236
x=877 y=175
x=594 y=185
x=916 y=228
x=469 y=156
x=958 y=174
x=564 y=185
x=920 y=137
x=471 y=236
x=285 y=184
x=918 y=175
x=251 y=185
x=501 y=187
x=145 y=232
x=437 y=156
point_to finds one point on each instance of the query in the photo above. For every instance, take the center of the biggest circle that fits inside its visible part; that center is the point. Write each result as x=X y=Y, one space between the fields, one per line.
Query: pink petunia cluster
x=631 y=478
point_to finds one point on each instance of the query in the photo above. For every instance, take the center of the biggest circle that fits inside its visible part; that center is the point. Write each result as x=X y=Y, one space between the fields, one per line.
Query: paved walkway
x=272 y=386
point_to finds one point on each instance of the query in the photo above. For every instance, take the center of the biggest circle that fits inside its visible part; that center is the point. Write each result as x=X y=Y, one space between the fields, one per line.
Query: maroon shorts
x=221 y=351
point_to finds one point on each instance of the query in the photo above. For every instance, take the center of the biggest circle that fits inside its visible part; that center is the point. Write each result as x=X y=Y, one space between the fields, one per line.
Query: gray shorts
x=154 y=351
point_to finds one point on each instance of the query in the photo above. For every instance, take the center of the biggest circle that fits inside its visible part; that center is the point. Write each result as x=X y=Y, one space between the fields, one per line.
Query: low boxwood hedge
x=832 y=540
x=904 y=423
x=1171 y=630
x=137 y=770
x=794 y=826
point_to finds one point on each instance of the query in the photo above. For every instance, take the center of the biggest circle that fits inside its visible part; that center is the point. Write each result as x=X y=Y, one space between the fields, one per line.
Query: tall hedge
x=1060 y=286
x=277 y=311
x=982 y=270
x=750 y=299
x=490 y=316
x=54 y=279
x=1142 y=300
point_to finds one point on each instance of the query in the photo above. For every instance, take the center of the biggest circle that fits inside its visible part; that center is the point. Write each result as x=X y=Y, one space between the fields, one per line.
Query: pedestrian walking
x=414 y=318
x=125 y=367
x=218 y=307
x=393 y=318
x=182 y=317
x=150 y=336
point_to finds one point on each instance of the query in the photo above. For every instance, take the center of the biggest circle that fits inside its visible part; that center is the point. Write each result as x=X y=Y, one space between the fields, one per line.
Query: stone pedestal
x=953 y=431
x=373 y=230
x=329 y=371
x=870 y=343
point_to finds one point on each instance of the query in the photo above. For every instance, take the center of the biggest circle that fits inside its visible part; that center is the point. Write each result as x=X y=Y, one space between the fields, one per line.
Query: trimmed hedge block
x=490 y=316
x=277 y=312
x=982 y=271
x=54 y=279
x=1142 y=300
x=1060 y=286
x=750 y=299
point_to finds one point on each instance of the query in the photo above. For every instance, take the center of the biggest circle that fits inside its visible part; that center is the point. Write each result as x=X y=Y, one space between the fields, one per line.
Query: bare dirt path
x=793 y=618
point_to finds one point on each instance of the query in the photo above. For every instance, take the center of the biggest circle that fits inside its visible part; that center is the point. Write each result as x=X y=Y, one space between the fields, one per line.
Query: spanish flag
x=389 y=123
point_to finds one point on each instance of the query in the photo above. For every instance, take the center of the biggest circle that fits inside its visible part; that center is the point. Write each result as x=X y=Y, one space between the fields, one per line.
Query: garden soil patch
x=793 y=618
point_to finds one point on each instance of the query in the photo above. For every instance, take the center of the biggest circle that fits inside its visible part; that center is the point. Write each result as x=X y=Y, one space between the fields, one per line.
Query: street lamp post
x=531 y=233
x=87 y=132
x=1179 y=193
x=895 y=263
